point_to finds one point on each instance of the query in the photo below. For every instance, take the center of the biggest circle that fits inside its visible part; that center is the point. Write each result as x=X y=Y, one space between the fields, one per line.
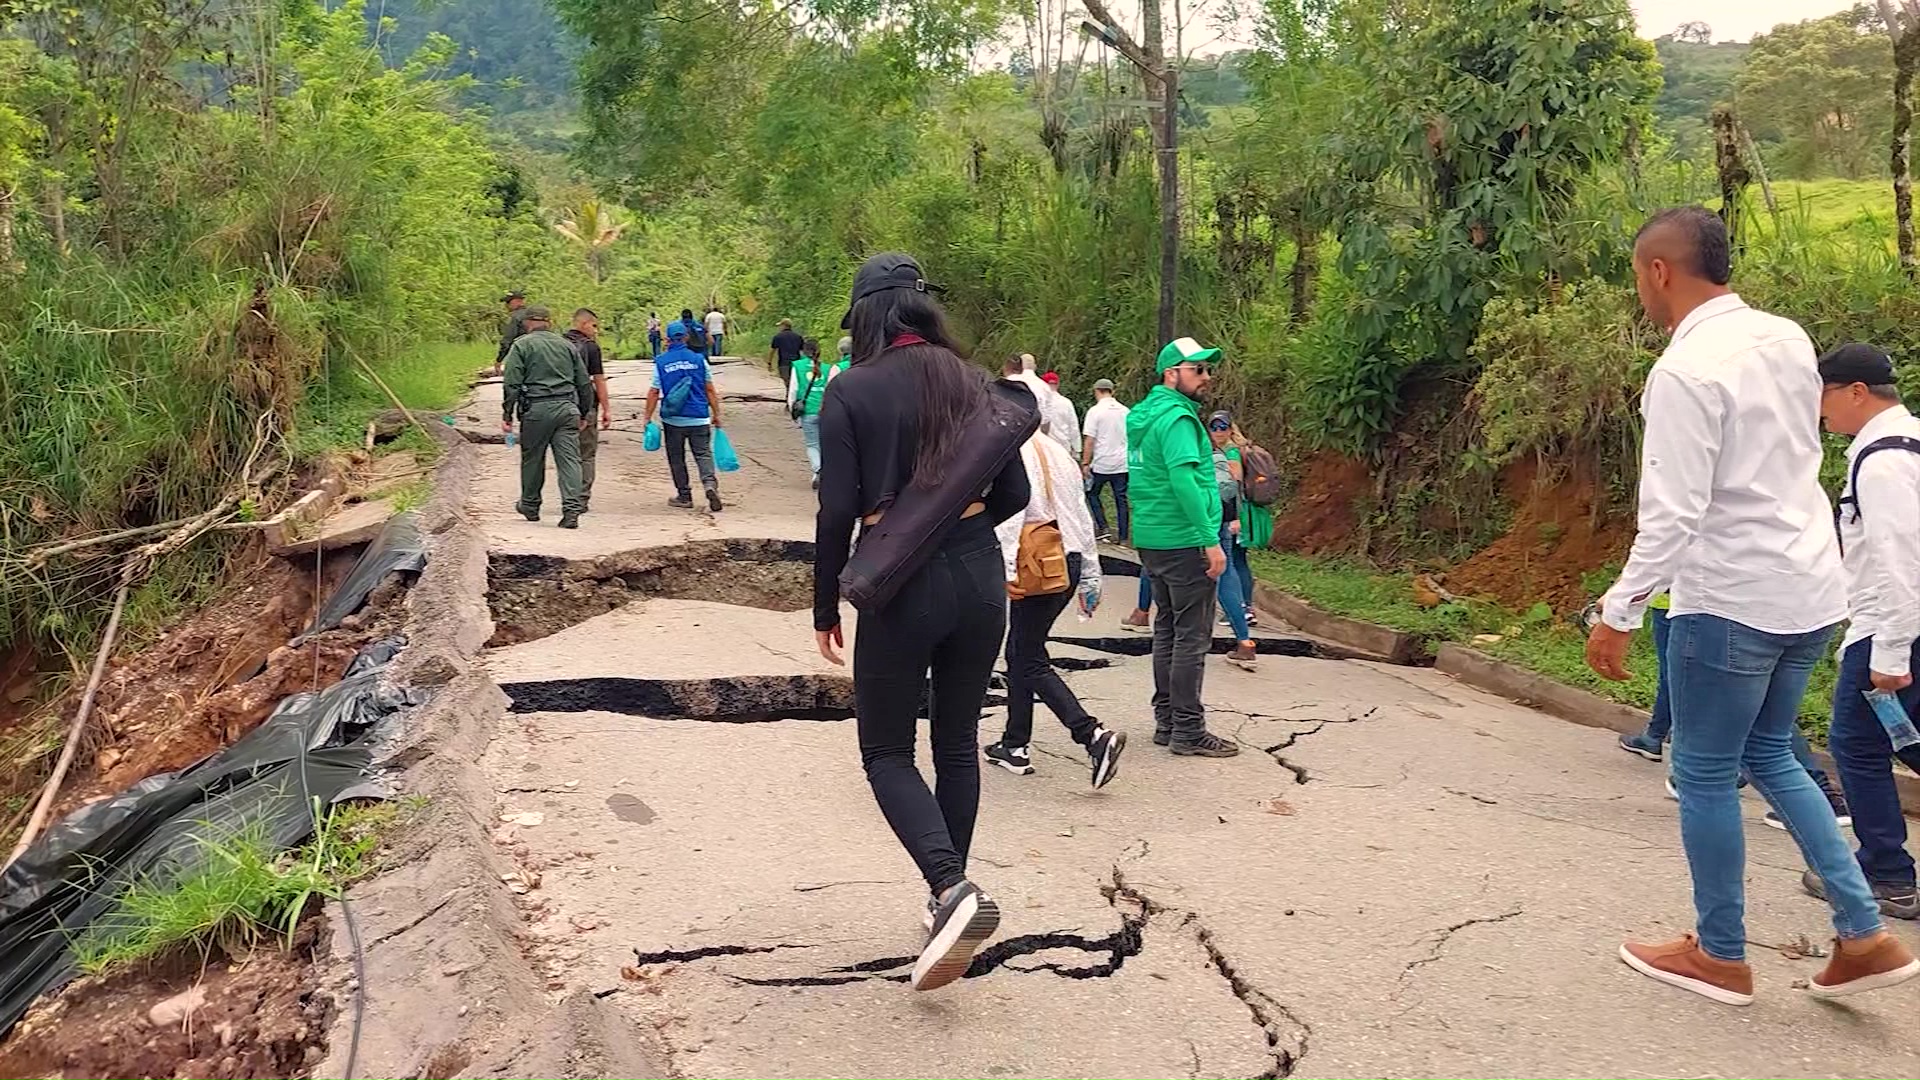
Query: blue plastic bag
x=724 y=458
x=650 y=441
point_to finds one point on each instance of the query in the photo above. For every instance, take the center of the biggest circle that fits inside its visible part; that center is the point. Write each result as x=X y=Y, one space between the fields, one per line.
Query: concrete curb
x=1483 y=672
x=1391 y=646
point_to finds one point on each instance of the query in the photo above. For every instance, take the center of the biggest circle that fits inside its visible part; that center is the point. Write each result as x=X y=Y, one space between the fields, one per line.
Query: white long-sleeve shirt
x=1065 y=505
x=1064 y=425
x=1880 y=541
x=1732 y=517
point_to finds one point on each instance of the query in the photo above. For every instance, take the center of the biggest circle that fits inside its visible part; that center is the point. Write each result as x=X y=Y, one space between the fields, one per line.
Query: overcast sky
x=1732 y=20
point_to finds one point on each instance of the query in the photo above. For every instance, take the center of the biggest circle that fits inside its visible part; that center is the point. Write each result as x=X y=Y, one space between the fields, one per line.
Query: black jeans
x=948 y=619
x=1183 y=598
x=701 y=439
x=1030 y=671
x=1118 y=482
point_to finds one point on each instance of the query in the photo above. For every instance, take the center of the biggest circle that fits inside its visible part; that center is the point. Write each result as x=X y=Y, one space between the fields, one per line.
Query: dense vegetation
x=1407 y=220
x=213 y=220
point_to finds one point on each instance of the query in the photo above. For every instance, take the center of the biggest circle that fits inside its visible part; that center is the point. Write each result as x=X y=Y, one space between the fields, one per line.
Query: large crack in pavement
x=1285 y=1033
x=1300 y=773
x=734 y=699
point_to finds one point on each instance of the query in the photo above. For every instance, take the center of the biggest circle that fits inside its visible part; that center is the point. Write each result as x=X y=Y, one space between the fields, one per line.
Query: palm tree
x=592 y=228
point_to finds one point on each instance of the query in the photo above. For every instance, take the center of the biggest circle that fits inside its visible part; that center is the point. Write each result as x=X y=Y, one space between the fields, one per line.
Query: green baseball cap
x=538 y=313
x=1184 y=351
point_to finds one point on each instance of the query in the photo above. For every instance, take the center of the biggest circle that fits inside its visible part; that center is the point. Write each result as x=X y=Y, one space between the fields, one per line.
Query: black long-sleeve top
x=869 y=435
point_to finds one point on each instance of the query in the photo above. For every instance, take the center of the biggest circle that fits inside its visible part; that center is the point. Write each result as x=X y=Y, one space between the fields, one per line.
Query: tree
x=1694 y=33
x=593 y=228
x=1821 y=89
x=1903 y=25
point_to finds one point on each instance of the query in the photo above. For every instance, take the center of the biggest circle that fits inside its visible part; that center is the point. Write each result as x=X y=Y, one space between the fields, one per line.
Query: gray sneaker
x=1207 y=745
x=1896 y=901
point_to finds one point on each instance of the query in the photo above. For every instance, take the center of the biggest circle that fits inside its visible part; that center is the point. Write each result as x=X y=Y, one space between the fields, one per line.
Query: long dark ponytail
x=951 y=389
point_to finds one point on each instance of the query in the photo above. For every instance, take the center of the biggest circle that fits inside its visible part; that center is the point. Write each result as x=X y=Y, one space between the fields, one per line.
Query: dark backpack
x=1851 y=497
x=1259 y=476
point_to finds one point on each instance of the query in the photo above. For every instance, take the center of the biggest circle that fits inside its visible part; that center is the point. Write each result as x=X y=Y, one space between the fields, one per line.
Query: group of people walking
x=975 y=527
x=1758 y=569
x=551 y=384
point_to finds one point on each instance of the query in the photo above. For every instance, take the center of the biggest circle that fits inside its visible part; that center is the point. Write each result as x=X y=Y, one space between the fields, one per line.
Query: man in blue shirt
x=689 y=406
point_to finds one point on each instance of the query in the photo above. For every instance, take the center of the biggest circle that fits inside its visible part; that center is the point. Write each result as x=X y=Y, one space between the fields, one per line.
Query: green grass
x=427 y=379
x=246 y=893
x=1554 y=649
x=1829 y=206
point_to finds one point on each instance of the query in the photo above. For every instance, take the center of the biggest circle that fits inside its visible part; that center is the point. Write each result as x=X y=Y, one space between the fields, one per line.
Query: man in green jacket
x=1176 y=530
x=515 y=325
x=547 y=389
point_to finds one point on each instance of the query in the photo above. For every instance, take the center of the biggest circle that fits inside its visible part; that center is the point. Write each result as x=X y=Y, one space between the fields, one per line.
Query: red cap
x=1052 y=378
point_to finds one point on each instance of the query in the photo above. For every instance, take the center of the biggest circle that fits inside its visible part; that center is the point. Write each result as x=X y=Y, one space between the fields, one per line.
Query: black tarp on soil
x=399 y=548
x=316 y=746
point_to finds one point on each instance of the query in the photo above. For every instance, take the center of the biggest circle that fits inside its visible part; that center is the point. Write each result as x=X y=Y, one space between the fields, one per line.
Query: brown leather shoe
x=1245 y=657
x=1685 y=965
x=1862 y=964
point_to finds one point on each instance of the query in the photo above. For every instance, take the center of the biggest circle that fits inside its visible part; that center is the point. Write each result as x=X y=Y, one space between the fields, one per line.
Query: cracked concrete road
x=1402 y=876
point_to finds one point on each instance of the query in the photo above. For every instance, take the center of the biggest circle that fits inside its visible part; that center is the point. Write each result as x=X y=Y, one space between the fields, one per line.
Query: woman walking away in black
x=891 y=421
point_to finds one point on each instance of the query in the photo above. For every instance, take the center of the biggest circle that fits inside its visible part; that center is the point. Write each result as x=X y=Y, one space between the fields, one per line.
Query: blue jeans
x=1661 y=725
x=1118 y=482
x=653 y=341
x=1146 y=591
x=1232 y=600
x=1237 y=564
x=810 y=431
x=718 y=344
x=1740 y=690
x=1861 y=750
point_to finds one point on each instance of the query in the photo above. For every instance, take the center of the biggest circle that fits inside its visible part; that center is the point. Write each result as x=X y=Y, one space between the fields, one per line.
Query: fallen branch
x=39 y=555
x=44 y=807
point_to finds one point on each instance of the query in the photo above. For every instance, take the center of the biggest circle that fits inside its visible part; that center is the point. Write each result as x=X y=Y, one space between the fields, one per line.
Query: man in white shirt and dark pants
x=1733 y=520
x=1879 y=518
x=1103 y=459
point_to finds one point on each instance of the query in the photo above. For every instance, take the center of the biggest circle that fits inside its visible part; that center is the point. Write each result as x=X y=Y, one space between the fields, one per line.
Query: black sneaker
x=1162 y=736
x=963 y=922
x=1841 y=812
x=1015 y=759
x=1104 y=754
x=1207 y=745
x=530 y=515
x=929 y=913
x=681 y=502
x=569 y=521
x=1896 y=901
x=713 y=500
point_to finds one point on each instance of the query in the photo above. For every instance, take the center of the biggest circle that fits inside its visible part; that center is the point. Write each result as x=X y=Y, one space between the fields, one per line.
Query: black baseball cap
x=887 y=270
x=514 y=295
x=1856 y=363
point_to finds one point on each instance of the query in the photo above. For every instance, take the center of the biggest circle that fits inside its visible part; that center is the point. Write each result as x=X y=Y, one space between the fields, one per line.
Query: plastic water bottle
x=1893 y=716
x=513 y=438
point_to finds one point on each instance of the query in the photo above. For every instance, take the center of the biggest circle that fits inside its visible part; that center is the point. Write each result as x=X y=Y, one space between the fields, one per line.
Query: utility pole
x=1159 y=68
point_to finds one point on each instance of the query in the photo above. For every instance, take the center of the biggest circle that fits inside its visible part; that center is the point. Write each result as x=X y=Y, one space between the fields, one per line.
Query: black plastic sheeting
x=322 y=746
x=399 y=547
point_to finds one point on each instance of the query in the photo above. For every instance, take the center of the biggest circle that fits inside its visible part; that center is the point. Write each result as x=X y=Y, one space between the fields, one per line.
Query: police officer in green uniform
x=510 y=330
x=548 y=391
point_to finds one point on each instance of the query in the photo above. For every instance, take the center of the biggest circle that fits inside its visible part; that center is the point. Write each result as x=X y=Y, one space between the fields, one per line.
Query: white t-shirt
x=1107 y=427
x=716 y=323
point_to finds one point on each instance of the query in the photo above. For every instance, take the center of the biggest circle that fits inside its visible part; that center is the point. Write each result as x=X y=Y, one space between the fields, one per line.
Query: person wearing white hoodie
x=1057 y=498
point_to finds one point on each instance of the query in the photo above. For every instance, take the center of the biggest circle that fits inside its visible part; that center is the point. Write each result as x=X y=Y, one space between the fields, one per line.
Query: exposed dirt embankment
x=1561 y=529
x=1560 y=533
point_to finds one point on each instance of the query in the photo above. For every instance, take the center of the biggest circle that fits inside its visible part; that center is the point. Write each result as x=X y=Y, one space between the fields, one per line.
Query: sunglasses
x=1199 y=369
x=1220 y=426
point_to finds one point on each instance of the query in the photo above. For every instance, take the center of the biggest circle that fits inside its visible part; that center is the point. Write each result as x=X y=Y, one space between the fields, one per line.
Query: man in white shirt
x=1103 y=459
x=716 y=331
x=1057 y=500
x=1063 y=423
x=1732 y=518
x=1879 y=517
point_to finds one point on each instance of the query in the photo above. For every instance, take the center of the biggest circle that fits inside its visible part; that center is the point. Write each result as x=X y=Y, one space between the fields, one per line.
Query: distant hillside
x=1697 y=76
x=517 y=50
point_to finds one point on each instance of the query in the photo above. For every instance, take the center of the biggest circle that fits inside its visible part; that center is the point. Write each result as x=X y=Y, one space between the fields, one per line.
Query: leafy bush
x=1560 y=377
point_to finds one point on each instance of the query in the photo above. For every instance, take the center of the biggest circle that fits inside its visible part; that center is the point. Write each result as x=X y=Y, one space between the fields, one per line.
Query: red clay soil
x=1320 y=518
x=211 y=679
x=1555 y=540
x=261 y=1017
